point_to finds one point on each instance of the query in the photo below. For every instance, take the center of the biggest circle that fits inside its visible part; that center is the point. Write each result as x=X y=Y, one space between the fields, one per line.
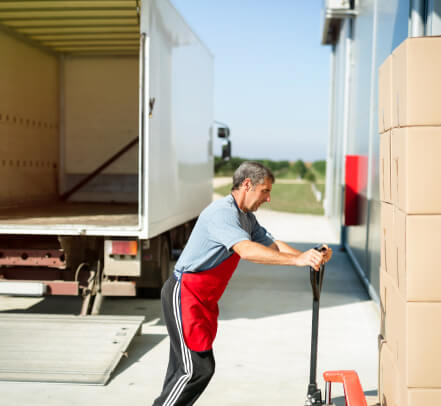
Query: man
x=225 y=232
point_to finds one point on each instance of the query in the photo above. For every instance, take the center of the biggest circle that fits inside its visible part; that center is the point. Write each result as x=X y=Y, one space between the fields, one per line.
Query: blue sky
x=271 y=74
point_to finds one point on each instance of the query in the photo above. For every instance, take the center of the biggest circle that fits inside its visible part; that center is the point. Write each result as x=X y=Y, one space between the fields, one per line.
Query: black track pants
x=188 y=372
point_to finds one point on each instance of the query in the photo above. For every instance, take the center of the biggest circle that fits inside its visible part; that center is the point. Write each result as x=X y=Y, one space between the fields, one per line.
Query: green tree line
x=282 y=169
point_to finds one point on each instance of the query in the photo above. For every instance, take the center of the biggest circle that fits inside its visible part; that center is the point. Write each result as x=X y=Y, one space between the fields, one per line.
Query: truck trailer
x=106 y=123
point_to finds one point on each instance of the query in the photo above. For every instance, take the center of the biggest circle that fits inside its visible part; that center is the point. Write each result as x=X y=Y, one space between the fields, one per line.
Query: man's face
x=256 y=195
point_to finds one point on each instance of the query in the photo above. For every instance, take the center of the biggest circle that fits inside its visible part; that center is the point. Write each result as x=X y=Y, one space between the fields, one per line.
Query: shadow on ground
x=138 y=348
x=340 y=401
x=260 y=291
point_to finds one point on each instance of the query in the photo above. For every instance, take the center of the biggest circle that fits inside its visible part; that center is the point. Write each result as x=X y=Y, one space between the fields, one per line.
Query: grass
x=321 y=188
x=320 y=177
x=291 y=198
x=286 y=174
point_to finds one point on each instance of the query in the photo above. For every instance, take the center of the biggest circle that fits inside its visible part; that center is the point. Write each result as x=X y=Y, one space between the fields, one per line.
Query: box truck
x=106 y=128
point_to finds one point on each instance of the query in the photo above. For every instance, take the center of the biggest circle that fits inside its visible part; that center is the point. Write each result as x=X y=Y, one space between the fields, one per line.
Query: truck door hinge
x=151 y=106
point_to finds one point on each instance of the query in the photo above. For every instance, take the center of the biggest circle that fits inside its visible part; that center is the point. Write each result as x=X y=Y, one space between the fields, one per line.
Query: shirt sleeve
x=225 y=229
x=260 y=235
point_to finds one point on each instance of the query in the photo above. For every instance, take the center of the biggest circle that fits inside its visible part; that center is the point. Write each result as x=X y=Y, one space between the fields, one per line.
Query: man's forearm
x=254 y=252
x=284 y=247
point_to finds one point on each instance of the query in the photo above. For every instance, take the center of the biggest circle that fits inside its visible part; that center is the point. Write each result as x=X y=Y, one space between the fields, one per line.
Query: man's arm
x=255 y=252
x=284 y=247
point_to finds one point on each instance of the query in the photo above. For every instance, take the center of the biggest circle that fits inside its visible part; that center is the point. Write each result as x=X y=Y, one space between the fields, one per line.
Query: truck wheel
x=165 y=260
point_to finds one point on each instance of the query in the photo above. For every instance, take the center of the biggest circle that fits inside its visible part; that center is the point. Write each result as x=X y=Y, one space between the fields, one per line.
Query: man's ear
x=247 y=184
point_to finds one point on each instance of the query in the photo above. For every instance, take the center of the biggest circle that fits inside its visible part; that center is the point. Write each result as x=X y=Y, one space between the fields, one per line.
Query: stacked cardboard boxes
x=410 y=191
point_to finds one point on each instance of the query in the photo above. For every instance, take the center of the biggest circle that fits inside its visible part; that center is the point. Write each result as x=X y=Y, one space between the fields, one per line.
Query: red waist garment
x=200 y=293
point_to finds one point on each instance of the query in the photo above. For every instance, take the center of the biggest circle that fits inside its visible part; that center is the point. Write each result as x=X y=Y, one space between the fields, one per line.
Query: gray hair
x=255 y=171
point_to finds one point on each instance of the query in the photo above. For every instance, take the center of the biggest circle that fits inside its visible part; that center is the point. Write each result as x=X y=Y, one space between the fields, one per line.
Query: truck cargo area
x=69 y=82
x=74 y=216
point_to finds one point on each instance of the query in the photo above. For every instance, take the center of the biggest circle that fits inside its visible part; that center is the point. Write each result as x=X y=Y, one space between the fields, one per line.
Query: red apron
x=200 y=293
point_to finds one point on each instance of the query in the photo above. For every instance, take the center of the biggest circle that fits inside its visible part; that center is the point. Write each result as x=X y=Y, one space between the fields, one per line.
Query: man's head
x=252 y=184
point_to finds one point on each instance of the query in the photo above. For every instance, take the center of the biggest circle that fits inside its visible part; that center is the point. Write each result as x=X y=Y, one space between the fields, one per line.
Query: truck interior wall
x=29 y=122
x=100 y=118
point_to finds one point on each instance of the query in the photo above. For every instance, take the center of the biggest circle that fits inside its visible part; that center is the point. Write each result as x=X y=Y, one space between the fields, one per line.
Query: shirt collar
x=235 y=203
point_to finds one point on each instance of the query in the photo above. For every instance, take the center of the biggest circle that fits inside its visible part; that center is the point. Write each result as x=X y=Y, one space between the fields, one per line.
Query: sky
x=271 y=74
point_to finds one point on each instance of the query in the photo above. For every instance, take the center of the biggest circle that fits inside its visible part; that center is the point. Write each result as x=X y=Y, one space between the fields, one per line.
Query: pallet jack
x=354 y=395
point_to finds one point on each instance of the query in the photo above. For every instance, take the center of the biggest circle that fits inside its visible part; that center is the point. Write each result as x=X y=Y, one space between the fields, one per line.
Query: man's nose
x=268 y=199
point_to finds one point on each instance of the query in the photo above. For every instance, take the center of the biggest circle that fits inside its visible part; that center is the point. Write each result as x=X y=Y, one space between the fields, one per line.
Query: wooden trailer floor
x=75 y=214
x=63 y=348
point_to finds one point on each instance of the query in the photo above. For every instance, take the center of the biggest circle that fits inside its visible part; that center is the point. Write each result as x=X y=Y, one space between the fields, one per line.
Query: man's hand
x=312 y=258
x=327 y=254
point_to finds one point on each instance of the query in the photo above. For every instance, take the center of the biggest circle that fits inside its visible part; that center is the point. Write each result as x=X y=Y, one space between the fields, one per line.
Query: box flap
x=399 y=75
x=400 y=251
x=398 y=167
x=385 y=181
x=385 y=95
x=387 y=239
x=388 y=388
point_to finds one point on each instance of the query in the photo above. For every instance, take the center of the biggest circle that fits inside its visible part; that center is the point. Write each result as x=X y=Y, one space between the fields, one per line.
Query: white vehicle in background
x=106 y=122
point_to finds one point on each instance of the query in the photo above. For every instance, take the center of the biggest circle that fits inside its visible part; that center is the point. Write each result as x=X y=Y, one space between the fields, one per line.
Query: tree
x=320 y=167
x=300 y=168
x=309 y=176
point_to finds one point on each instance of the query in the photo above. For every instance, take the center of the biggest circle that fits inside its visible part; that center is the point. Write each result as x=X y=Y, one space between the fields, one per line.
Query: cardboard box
x=418 y=353
x=419 y=396
x=388 y=315
x=412 y=335
x=385 y=175
x=372 y=401
x=415 y=169
x=387 y=259
x=385 y=96
x=389 y=378
x=416 y=82
x=417 y=241
x=394 y=391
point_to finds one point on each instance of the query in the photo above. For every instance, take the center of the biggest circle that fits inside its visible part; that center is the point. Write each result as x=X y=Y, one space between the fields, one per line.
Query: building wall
x=337 y=123
x=363 y=44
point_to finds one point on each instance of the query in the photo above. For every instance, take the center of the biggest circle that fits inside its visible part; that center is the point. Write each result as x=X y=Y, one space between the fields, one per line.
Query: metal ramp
x=63 y=348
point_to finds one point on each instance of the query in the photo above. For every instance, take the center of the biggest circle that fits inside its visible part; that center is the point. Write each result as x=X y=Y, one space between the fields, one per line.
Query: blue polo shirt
x=220 y=226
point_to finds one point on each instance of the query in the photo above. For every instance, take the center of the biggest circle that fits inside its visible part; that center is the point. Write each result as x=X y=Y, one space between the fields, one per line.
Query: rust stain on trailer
x=33 y=257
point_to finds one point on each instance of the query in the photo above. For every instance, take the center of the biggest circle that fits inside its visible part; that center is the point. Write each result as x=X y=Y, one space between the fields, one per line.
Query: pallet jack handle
x=316 y=278
x=314 y=395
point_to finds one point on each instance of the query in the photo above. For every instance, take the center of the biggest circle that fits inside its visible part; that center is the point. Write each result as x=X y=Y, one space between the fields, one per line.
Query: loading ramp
x=63 y=348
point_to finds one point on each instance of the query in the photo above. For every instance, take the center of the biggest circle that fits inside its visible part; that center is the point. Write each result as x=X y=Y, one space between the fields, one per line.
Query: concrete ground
x=263 y=344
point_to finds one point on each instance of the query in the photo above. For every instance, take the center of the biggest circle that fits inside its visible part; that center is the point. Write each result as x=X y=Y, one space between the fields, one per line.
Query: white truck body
x=64 y=110
x=81 y=82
